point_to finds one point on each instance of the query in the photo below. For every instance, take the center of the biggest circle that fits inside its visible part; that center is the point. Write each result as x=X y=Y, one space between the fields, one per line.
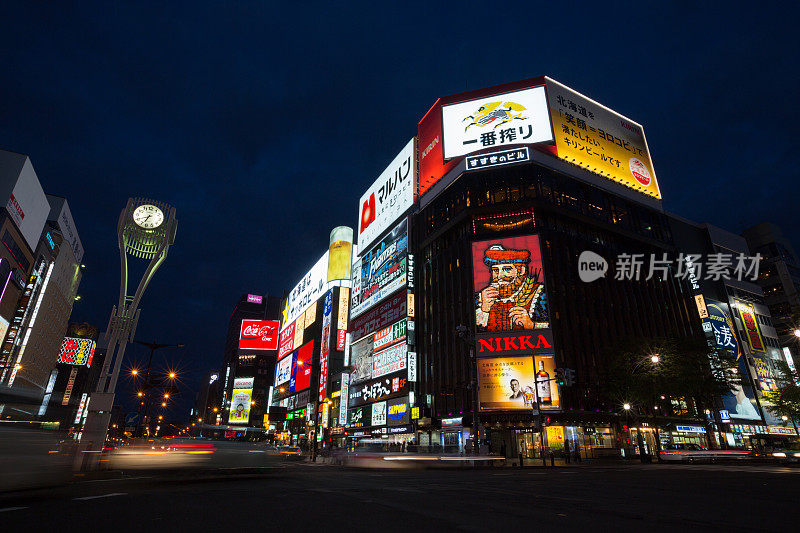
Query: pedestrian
x=567 y=451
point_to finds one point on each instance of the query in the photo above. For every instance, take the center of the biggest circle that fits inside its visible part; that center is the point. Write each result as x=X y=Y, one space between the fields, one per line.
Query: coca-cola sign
x=259 y=335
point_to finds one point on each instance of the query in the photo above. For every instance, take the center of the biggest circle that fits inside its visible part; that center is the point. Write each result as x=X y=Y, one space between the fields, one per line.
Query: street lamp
x=626 y=406
x=134 y=372
x=655 y=359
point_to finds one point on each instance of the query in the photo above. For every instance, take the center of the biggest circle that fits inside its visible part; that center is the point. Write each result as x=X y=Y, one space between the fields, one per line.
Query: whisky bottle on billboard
x=543 y=386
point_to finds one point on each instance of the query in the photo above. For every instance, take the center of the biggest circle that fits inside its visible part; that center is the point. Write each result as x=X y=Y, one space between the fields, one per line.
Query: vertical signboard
x=343 y=399
x=325 y=345
x=70 y=384
x=341 y=317
x=751 y=330
x=241 y=398
x=741 y=402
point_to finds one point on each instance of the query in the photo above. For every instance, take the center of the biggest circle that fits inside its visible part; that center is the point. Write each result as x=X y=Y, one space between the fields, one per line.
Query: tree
x=786 y=400
x=641 y=371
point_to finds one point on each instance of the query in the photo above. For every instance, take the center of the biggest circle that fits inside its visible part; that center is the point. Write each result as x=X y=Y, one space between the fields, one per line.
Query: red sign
x=286 y=344
x=259 y=335
x=533 y=342
x=340 y=334
x=302 y=370
x=367 y=213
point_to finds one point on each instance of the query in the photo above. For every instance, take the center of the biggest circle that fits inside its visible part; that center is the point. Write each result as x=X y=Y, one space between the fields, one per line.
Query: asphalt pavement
x=320 y=497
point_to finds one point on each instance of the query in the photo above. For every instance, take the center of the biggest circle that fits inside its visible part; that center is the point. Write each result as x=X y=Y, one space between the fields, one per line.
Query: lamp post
x=148 y=385
x=465 y=334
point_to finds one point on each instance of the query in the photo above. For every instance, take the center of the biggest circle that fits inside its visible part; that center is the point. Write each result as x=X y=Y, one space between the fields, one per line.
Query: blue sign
x=50 y=240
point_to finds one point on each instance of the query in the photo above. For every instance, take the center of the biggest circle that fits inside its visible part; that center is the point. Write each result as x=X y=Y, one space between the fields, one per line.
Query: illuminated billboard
x=361 y=359
x=741 y=403
x=398 y=411
x=517 y=383
x=592 y=136
x=381 y=271
x=389 y=360
x=382 y=315
x=76 y=351
x=388 y=198
x=379 y=414
x=241 y=398
x=27 y=204
x=511 y=312
x=382 y=388
x=255 y=298
x=283 y=370
x=325 y=343
x=498 y=120
x=307 y=291
x=751 y=330
x=259 y=335
x=301 y=367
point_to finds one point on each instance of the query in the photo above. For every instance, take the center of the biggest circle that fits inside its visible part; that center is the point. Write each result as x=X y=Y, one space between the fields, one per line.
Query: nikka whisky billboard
x=511 y=313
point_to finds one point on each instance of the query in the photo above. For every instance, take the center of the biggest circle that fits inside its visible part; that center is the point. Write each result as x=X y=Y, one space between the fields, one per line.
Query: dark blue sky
x=263 y=123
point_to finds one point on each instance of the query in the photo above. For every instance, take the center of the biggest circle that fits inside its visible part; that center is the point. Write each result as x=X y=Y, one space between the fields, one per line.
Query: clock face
x=148 y=216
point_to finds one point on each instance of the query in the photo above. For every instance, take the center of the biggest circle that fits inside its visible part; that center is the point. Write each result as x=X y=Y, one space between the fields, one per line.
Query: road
x=302 y=497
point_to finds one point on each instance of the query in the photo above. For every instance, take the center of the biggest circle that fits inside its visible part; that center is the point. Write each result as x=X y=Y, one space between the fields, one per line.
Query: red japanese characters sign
x=76 y=351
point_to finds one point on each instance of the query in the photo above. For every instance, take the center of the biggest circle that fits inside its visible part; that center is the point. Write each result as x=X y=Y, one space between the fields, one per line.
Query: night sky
x=263 y=123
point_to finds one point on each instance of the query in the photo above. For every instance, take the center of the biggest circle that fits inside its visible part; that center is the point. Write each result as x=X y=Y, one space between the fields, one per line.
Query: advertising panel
x=389 y=197
x=325 y=343
x=27 y=205
x=511 y=312
x=412 y=366
x=343 y=399
x=360 y=417
x=283 y=370
x=382 y=271
x=76 y=351
x=255 y=298
x=741 y=403
x=594 y=137
x=286 y=342
x=70 y=384
x=81 y=405
x=383 y=314
x=241 y=397
x=301 y=368
x=389 y=360
x=378 y=389
x=398 y=411
x=391 y=335
x=751 y=330
x=341 y=317
x=361 y=360
x=517 y=117
x=307 y=291
x=513 y=383
x=259 y=335
x=379 y=414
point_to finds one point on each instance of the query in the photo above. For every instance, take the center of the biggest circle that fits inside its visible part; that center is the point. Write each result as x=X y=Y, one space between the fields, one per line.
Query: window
x=15 y=250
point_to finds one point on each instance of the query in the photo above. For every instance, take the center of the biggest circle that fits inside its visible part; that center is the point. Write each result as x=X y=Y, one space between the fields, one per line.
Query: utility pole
x=145 y=230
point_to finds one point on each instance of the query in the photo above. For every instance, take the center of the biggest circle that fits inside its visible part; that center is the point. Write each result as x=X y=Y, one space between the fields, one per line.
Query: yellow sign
x=555 y=435
x=701 y=306
x=415 y=413
x=514 y=383
x=324 y=408
x=600 y=140
x=311 y=314
x=410 y=304
x=266 y=421
x=241 y=398
x=299 y=328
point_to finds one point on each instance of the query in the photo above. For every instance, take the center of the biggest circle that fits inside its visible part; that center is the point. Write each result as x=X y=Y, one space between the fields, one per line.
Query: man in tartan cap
x=514 y=299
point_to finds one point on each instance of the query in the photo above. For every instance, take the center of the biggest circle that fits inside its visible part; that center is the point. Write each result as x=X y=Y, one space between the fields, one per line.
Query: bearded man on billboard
x=514 y=298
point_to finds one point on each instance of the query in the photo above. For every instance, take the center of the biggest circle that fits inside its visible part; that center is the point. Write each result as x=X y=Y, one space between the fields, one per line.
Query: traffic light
x=560 y=377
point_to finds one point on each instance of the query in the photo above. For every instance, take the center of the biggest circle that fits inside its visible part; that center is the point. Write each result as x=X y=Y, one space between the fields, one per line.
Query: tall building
x=59 y=272
x=735 y=317
x=22 y=218
x=311 y=349
x=248 y=365
x=779 y=277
